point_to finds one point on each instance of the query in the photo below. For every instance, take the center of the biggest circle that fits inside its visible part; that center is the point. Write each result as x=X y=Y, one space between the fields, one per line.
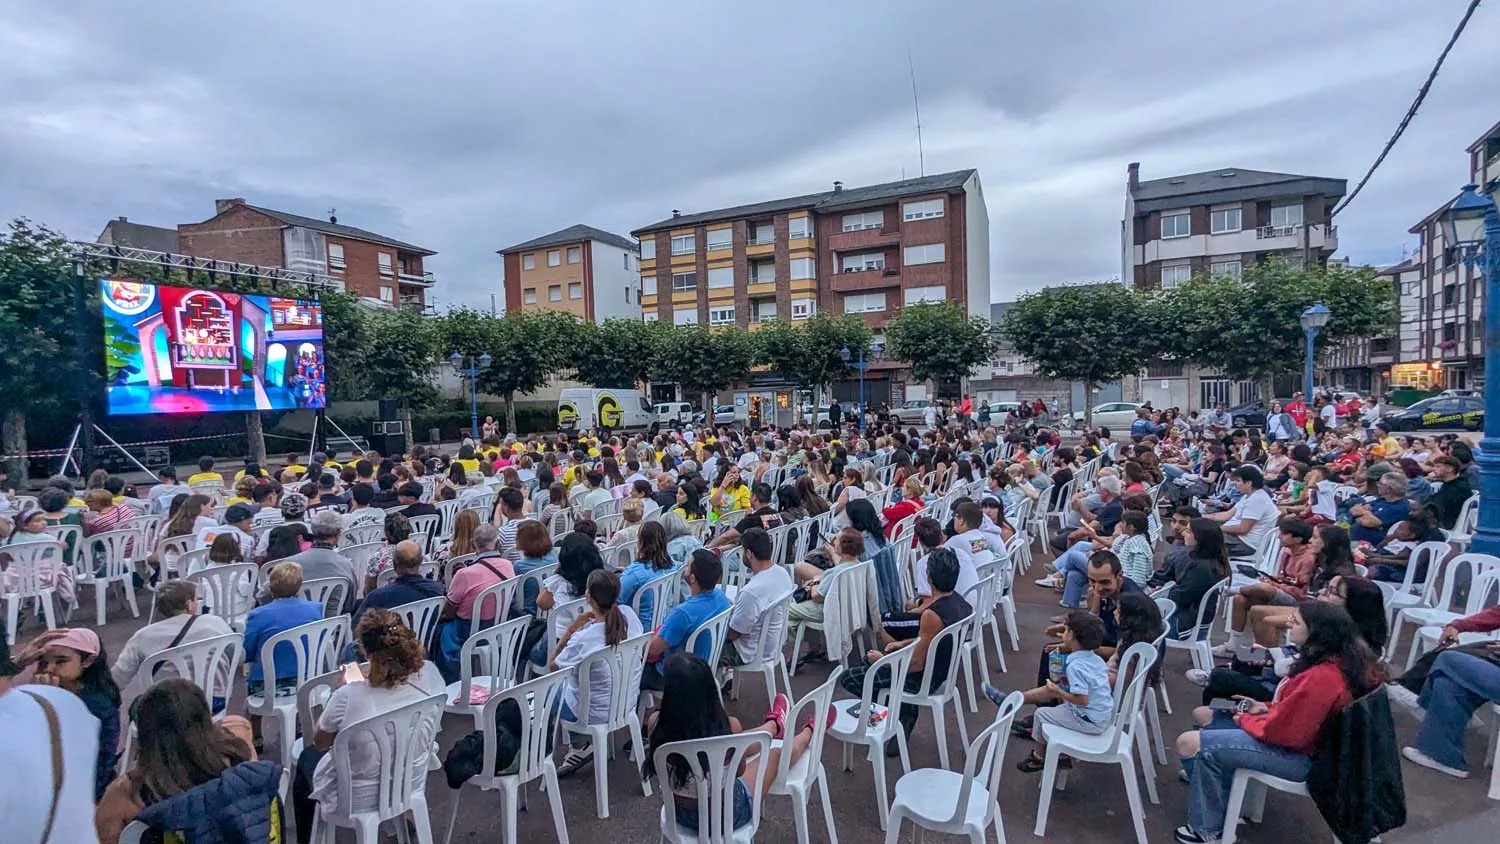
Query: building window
x=865 y=220
x=1450 y=332
x=1286 y=216
x=763 y=233
x=684 y=281
x=528 y=261
x=803 y=308
x=528 y=296
x=719 y=277
x=575 y=254
x=627 y=294
x=931 y=253
x=1450 y=295
x=763 y=272
x=685 y=316
x=575 y=290
x=1224 y=221
x=924 y=210
x=387 y=264
x=864 y=261
x=1176 y=225
x=720 y=239
x=864 y=303
x=1164 y=369
x=554 y=293
x=919 y=295
x=803 y=268
x=648 y=285
x=1231 y=269
x=683 y=244
x=1176 y=274
x=765 y=310
x=554 y=258
x=721 y=316
x=627 y=260
x=336 y=257
x=650 y=316
x=648 y=248
x=386 y=293
x=799 y=227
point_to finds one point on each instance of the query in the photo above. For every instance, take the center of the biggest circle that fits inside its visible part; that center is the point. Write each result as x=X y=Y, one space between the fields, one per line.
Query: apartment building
x=1442 y=340
x=1218 y=222
x=121 y=232
x=371 y=265
x=1366 y=363
x=581 y=270
x=866 y=250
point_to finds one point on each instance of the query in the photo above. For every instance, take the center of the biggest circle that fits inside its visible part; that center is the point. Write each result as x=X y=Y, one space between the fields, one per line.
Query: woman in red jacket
x=1333 y=668
x=911 y=501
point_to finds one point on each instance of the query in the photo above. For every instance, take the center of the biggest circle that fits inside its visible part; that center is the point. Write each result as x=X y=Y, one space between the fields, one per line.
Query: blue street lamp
x=862 y=366
x=469 y=367
x=1472 y=225
x=1313 y=320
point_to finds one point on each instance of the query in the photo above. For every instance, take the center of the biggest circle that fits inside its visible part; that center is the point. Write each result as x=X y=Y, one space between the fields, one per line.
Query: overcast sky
x=467 y=126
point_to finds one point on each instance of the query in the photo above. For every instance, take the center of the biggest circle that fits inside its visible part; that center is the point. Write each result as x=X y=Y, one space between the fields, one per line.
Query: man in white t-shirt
x=1252 y=522
x=967 y=542
x=26 y=801
x=769 y=584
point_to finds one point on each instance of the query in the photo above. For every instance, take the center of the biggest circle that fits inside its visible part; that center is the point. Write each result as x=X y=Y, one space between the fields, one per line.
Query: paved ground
x=1093 y=809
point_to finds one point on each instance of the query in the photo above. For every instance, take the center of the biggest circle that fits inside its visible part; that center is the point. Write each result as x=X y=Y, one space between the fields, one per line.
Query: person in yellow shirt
x=244 y=486
x=467 y=459
x=732 y=494
x=294 y=465
x=205 y=472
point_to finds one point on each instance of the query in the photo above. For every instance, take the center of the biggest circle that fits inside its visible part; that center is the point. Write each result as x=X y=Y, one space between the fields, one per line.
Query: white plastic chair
x=212 y=665
x=623 y=663
x=797 y=779
x=769 y=658
x=1197 y=645
x=328 y=591
x=422 y=616
x=401 y=741
x=660 y=594
x=851 y=730
x=447 y=512
x=1168 y=610
x=429 y=525
x=1120 y=742
x=359 y=556
x=958 y=803
x=716 y=631
x=487 y=662
x=538 y=700
x=102 y=562
x=981 y=597
x=532 y=580
x=1248 y=793
x=227 y=591
x=1441 y=613
x=714 y=763
x=844 y=610
x=25 y=563
x=936 y=696
x=1412 y=592
x=1481 y=590
x=1465 y=524
x=493 y=604
x=362 y=535
x=316 y=647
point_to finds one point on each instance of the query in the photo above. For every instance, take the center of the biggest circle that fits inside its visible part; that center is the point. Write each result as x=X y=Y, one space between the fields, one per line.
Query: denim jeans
x=1458 y=684
x=1073 y=565
x=1220 y=754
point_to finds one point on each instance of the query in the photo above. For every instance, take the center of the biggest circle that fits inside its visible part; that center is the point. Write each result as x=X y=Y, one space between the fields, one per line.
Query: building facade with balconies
x=867 y=251
x=371 y=265
x=580 y=270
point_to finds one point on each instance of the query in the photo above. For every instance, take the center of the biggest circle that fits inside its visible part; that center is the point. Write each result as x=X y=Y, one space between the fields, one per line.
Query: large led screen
x=184 y=350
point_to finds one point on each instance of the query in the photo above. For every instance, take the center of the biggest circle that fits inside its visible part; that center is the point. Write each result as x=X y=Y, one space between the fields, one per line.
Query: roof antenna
x=917 y=109
x=333 y=215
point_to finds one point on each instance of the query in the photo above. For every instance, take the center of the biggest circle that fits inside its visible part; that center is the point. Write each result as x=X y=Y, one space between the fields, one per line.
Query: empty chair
x=956 y=803
x=713 y=766
x=105 y=561
x=315 y=650
x=864 y=721
x=796 y=779
x=31 y=575
x=401 y=742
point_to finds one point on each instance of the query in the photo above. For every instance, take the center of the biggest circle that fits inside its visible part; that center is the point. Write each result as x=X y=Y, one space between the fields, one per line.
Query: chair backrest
x=456 y=563
x=313 y=694
x=109 y=551
x=211 y=664
x=815 y=703
x=656 y=596
x=1063 y=499
x=170 y=548
x=953 y=635
x=315 y=645
x=539 y=698
x=1426 y=556
x=622 y=666
x=604 y=510
x=982 y=595
x=1168 y=609
x=846 y=599
x=27 y=560
x=430 y=524
x=1482 y=592
x=771 y=628
x=493 y=654
x=1205 y=619
x=493 y=604
x=1269 y=558
x=447 y=512
x=985 y=758
x=328 y=591
x=400 y=741
x=715 y=632
x=619 y=556
x=227 y=591
x=608 y=524
x=360 y=555
x=561 y=523
x=1468 y=516
x=422 y=616
x=1135 y=664
x=897 y=663
x=560 y=616
x=531 y=583
x=715 y=764
x=1476 y=564
x=362 y=535
x=483 y=504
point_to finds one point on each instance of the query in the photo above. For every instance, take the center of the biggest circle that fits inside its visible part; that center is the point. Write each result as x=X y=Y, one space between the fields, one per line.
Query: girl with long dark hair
x=1137 y=619
x=72 y=659
x=689 y=501
x=604 y=624
x=1208 y=563
x=815 y=504
x=651 y=561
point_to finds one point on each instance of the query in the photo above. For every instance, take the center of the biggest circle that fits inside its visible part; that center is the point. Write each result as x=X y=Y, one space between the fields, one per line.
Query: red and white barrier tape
x=59 y=452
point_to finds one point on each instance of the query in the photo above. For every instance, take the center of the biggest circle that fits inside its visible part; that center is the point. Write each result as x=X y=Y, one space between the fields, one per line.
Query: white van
x=674 y=413
x=581 y=409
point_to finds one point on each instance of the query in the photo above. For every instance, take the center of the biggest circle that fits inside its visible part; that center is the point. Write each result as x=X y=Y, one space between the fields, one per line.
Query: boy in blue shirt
x=702 y=575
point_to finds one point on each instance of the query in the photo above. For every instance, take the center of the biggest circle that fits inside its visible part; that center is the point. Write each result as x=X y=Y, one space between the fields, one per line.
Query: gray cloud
x=473 y=125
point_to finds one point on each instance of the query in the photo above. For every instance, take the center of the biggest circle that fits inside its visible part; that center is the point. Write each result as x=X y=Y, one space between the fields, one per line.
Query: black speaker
x=389 y=444
x=389 y=408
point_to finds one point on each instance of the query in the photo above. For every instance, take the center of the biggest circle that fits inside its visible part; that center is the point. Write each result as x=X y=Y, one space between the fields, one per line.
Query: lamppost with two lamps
x=877 y=351
x=468 y=366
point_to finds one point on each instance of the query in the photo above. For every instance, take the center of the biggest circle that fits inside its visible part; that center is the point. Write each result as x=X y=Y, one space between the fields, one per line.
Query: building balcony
x=760 y=248
x=872 y=279
x=1320 y=236
x=415 y=279
x=864 y=239
x=416 y=304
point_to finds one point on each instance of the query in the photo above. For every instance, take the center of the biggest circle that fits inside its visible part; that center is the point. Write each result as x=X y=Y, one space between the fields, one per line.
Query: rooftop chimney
x=124 y=220
x=222 y=205
x=838 y=187
x=1133 y=180
x=676 y=213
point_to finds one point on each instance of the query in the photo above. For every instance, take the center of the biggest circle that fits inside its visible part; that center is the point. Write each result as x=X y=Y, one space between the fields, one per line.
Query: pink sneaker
x=777 y=714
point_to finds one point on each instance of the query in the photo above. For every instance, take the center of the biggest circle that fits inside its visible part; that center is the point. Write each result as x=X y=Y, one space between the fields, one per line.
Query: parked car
x=723 y=415
x=1439 y=412
x=910 y=413
x=1252 y=414
x=1114 y=415
x=674 y=413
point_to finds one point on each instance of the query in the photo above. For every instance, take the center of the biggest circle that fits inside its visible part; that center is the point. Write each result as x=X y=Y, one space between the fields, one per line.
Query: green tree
x=1249 y=328
x=345 y=339
x=1094 y=333
x=808 y=353
x=616 y=353
x=940 y=342
x=526 y=349
x=399 y=360
x=704 y=360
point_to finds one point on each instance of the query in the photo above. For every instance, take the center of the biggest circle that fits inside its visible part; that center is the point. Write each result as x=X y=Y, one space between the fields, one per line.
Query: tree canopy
x=616 y=353
x=939 y=341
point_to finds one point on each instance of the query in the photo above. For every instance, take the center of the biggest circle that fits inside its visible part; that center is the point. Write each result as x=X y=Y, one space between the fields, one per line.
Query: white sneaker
x=1197 y=676
x=1048 y=582
x=1403 y=698
x=1224 y=651
x=1414 y=755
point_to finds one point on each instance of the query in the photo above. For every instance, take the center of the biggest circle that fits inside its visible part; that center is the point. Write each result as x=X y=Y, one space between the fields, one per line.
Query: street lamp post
x=1472 y=224
x=1313 y=320
x=468 y=366
x=861 y=365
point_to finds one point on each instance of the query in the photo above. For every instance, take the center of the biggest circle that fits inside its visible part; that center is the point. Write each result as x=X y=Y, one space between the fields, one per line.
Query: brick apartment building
x=867 y=251
x=371 y=265
x=1217 y=222
x=580 y=270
